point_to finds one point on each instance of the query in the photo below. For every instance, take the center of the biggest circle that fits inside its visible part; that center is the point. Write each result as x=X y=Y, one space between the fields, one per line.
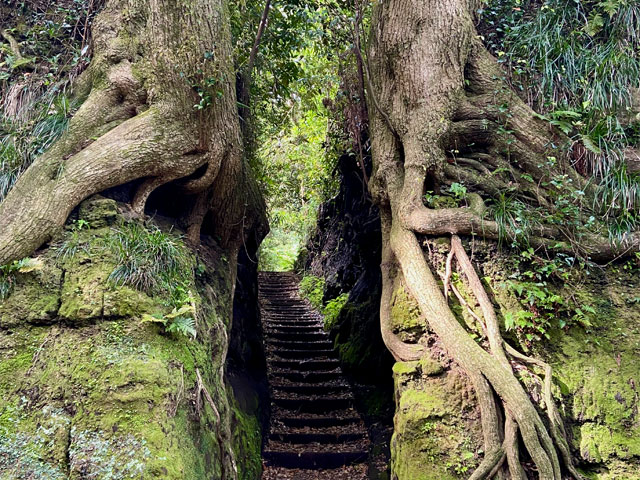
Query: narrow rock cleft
x=315 y=431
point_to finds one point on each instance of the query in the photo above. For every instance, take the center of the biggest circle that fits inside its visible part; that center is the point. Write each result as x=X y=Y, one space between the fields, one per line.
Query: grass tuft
x=151 y=261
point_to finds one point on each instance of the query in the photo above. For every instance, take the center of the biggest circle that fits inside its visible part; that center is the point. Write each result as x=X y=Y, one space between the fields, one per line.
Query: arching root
x=498 y=347
x=402 y=352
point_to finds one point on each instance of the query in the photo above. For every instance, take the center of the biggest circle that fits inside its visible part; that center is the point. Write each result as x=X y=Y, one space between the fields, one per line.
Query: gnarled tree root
x=498 y=348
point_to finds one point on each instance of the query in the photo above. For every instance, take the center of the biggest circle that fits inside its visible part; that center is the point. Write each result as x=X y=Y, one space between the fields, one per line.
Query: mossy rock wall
x=596 y=376
x=88 y=390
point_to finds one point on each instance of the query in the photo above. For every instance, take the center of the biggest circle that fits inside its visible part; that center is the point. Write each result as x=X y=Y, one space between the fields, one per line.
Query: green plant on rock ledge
x=538 y=284
x=8 y=272
x=312 y=288
x=332 y=310
x=72 y=244
x=154 y=262
x=180 y=320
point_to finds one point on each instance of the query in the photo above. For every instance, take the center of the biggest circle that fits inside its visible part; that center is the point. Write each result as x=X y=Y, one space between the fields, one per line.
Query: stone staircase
x=315 y=432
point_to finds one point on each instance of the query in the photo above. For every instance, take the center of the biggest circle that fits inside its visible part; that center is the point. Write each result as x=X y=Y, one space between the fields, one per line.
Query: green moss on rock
x=435 y=435
x=96 y=393
x=98 y=211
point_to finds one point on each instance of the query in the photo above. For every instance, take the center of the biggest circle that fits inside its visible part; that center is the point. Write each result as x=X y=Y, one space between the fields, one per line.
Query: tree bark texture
x=434 y=90
x=154 y=61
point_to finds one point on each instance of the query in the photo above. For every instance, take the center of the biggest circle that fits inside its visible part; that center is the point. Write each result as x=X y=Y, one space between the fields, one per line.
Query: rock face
x=437 y=428
x=90 y=390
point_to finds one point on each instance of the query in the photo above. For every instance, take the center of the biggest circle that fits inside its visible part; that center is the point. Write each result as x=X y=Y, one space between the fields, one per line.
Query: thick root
x=470 y=355
x=402 y=352
x=40 y=202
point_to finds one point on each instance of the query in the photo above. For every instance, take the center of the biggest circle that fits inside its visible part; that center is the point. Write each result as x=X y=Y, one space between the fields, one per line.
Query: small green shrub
x=183 y=325
x=577 y=64
x=155 y=262
x=180 y=320
x=312 y=288
x=458 y=191
x=72 y=244
x=332 y=310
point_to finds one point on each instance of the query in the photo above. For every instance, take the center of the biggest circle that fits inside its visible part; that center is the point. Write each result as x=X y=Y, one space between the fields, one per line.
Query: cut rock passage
x=315 y=432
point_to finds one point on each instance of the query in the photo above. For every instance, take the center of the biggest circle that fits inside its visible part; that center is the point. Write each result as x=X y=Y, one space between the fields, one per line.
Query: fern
x=183 y=325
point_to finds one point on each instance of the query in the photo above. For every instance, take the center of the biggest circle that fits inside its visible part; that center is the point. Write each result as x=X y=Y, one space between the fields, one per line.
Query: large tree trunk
x=154 y=61
x=434 y=89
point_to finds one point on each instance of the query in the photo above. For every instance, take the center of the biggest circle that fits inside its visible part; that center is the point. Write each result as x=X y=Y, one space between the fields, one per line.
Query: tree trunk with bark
x=159 y=106
x=437 y=104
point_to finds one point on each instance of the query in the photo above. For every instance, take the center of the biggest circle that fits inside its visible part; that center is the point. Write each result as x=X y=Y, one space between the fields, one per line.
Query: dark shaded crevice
x=245 y=365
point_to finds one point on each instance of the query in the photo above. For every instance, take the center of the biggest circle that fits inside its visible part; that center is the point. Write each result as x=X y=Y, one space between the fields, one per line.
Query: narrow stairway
x=315 y=432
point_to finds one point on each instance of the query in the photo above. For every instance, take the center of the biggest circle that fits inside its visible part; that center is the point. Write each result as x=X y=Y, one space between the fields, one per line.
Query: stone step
x=335 y=419
x=304 y=377
x=311 y=389
x=312 y=404
x=351 y=472
x=315 y=345
x=316 y=328
x=299 y=337
x=308 y=365
x=286 y=436
x=314 y=426
x=288 y=353
x=286 y=324
x=313 y=455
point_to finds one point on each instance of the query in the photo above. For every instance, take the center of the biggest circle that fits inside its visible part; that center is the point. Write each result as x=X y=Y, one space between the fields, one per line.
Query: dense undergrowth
x=45 y=48
x=576 y=63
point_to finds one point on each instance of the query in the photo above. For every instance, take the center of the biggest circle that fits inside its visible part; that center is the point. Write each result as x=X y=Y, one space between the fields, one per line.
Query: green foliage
x=332 y=310
x=513 y=219
x=295 y=71
x=569 y=52
x=312 y=288
x=577 y=63
x=23 y=138
x=294 y=174
x=458 y=191
x=566 y=209
x=151 y=261
x=183 y=325
x=180 y=320
x=454 y=197
x=72 y=244
x=466 y=462
x=279 y=250
x=545 y=288
x=8 y=272
x=156 y=263
x=54 y=44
